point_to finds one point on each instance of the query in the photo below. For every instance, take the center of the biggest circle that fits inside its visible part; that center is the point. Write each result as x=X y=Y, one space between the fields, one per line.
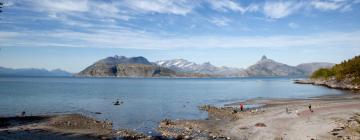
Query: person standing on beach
x=310 y=108
x=241 y=107
x=287 y=110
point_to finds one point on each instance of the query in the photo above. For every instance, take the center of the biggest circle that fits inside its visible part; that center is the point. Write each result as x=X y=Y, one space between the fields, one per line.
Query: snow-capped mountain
x=183 y=65
x=179 y=64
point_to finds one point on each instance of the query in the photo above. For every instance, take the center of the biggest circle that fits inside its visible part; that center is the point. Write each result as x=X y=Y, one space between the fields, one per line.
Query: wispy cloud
x=62 y=5
x=129 y=39
x=230 y=5
x=98 y=23
x=85 y=12
x=85 y=9
x=280 y=9
x=220 y=21
x=327 y=5
x=293 y=25
x=177 y=7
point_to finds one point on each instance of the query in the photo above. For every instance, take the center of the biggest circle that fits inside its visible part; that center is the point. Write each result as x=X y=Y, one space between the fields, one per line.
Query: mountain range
x=32 y=72
x=121 y=66
x=182 y=65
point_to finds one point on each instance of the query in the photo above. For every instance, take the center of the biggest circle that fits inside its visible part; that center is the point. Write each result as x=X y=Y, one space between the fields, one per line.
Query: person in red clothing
x=241 y=107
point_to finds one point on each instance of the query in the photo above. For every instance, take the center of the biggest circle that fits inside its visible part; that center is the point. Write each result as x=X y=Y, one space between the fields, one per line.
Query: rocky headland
x=345 y=75
x=331 y=83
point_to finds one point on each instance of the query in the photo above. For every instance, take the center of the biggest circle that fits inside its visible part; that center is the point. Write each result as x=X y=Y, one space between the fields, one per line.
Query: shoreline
x=330 y=83
x=226 y=122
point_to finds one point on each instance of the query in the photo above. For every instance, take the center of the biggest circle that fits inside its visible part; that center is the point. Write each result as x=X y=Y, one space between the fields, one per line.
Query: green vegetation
x=323 y=73
x=346 y=69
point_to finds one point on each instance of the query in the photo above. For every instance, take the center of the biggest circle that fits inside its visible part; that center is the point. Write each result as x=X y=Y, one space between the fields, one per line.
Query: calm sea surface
x=146 y=101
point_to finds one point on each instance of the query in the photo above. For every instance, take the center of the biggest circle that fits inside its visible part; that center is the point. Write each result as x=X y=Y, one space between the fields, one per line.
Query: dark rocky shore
x=331 y=83
x=62 y=127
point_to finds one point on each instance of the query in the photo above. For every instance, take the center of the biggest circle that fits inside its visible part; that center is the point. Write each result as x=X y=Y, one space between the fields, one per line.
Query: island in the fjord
x=121 y=66
x=345 y=75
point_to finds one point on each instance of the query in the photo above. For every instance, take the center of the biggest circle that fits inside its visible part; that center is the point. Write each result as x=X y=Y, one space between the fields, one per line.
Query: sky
x=72 y=34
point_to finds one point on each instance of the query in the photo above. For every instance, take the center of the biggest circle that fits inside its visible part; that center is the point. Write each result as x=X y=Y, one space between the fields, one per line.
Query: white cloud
x=83 y=13
x=77 y=13
x=327 y=5
x=177 y=7
x=62 y=5
x=223 y=21
x=293 y=25
x=230 y=5
x=281 y=9
x=126 y=38
x=276 y=10
x=84 y=9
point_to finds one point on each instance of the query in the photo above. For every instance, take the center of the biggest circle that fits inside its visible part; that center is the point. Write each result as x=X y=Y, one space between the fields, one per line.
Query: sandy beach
x=333 y=117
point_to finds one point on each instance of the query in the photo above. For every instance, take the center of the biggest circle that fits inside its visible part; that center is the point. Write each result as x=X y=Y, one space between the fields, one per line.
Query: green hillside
x=346 y=69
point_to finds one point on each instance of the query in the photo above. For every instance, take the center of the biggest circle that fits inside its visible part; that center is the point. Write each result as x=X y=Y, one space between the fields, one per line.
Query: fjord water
x=146 y=101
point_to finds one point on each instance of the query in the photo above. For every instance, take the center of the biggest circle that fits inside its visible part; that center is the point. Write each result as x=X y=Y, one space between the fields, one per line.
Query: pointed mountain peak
x=207 y=63
x=264 y=57
x=117 y=57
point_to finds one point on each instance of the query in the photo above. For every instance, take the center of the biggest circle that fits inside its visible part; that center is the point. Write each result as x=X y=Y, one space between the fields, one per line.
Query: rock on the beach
x=166 y=122
x=260 y=125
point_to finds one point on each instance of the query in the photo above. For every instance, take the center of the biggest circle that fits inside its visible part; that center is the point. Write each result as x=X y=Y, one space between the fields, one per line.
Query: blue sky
x=72 y=34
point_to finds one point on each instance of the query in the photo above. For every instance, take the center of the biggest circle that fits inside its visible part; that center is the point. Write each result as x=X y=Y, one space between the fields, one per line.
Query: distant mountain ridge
x=309 y=68
x=264 y=67
x=32 y=72
x=121 y=66
x=183 y=65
